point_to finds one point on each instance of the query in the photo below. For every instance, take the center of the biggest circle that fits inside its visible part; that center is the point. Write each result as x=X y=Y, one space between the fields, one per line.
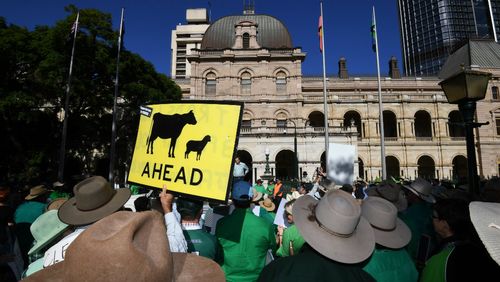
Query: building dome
x=271 y=32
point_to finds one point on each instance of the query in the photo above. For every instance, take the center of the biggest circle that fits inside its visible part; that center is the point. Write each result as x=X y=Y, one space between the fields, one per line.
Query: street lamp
x=295 y=157
x=464 y=88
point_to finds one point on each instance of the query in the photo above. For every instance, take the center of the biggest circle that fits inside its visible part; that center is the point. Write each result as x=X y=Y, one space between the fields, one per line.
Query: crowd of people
x=319 y=231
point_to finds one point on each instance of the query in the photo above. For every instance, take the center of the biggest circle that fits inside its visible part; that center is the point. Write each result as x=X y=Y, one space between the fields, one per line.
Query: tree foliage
x=34 y=69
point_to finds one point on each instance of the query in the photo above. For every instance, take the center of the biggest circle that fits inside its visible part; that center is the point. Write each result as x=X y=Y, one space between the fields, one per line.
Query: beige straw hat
x=334 y=227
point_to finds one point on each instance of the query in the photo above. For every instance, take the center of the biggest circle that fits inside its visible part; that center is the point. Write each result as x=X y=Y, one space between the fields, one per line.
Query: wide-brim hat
x=35 y=266
x=267 y=204
x=390 y=192
x=293 y=196
x=94 y=199
x=334 y=227
x=56 y=204
x=486 y=220
x=36 y=192
x=256 y=196
x=422 y=188
x=46 y=228
x=389 y=230
x=128 y=246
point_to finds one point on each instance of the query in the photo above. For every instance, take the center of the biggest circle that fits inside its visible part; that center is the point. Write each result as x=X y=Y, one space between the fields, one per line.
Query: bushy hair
x=456 y=213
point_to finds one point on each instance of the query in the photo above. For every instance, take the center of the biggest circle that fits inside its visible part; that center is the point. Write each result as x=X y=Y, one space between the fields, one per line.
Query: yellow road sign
x=189 y=146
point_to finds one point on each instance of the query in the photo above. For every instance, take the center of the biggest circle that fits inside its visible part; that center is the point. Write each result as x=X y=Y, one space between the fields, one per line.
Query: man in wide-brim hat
x=337 y=238
x=128 y=246
x=418 y=217
x=390 y=262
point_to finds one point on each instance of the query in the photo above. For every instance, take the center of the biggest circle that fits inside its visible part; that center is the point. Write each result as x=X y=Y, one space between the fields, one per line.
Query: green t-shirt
x=291 y=234
x=391 y=265
x=245 y=239
x=201 y=243
x=270 y=189
x=260 y=188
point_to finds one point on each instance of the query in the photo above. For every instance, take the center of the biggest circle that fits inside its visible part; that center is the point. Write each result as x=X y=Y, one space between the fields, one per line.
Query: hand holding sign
x=166 y=199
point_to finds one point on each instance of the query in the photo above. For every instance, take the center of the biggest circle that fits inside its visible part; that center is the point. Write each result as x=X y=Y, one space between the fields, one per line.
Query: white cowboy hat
x=390 y=231
x=486 y=219
x=334 y=227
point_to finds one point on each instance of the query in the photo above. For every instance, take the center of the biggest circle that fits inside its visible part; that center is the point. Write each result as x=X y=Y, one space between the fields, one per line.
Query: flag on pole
x=74 y=28
x=320 y=33
x=373 y=30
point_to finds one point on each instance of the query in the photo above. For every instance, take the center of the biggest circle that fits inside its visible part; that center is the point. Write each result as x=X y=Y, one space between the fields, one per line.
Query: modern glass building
x=432 y=29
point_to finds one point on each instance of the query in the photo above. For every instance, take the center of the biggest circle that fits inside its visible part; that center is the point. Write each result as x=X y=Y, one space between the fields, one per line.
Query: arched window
x=459 y=168
x=361 y=168
x=392 y=166
x=426 y=167
x=494 y=93
x=246 y=40
x=390 y=124
x=246 y=83
x=423 y=125
x=317 y=119
x=210 y=84
x=281 y=82
x=455 y=124
x=281 y=119
x=352 y=118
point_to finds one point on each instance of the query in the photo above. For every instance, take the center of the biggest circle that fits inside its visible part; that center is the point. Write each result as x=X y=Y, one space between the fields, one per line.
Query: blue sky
x=149 y=24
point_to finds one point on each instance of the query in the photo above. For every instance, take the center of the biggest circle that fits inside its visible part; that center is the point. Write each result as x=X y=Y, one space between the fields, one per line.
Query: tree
x=33 y=76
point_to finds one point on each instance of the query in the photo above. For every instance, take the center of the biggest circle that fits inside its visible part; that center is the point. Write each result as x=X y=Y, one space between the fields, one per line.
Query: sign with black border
x=189 y=146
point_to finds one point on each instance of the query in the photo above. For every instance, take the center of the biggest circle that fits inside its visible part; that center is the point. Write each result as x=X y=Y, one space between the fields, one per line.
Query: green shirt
x=260 y=188
x=291 y=234
x=270 y=189
x=202 y=243
x=245 y=239
x=418 y=217
x=391 y=265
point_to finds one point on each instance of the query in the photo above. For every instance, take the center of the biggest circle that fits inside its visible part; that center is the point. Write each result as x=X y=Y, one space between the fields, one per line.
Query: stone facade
x=282 y=104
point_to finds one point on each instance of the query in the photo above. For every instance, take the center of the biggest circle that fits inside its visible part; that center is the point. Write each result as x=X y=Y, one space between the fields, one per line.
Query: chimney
x=343 y=68
x=393 y=68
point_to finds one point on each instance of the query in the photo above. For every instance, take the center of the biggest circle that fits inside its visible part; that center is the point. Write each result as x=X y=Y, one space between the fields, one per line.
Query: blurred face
x=302 y=190
x=440 y=226
x=237 y=160
x=289 y=218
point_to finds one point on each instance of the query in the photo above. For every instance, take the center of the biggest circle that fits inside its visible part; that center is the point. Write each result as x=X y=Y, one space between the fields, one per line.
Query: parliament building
x=251 y=58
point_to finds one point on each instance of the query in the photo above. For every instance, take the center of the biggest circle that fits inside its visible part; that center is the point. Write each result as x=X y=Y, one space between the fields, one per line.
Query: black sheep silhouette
x=168 y=126
x=196 y=146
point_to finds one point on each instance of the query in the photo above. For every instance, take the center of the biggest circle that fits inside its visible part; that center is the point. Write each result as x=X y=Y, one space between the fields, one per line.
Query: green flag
x=374 y=32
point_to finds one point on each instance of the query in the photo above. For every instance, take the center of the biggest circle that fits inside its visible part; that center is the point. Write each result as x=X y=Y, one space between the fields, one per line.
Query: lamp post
x=295 y=157
x=465 y=88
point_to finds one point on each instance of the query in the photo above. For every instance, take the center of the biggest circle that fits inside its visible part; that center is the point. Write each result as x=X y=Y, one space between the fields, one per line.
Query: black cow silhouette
x=168 y=126
x=196 y=146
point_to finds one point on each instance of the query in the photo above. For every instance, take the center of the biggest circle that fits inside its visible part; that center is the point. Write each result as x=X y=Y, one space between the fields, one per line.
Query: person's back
x=392 y=265
x=309 y=265
x=201 y=242
x=245 y=239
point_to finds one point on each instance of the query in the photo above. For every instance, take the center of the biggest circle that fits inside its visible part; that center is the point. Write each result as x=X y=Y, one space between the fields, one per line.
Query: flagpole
x=380 y=105
x=62 y=153
x=325 y=103
x=113 y=125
